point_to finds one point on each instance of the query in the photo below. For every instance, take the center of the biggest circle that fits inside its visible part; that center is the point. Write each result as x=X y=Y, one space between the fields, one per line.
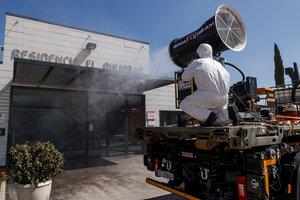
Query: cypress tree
x=279 y=69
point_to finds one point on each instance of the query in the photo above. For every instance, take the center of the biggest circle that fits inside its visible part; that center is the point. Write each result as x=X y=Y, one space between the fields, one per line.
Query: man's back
x=209 y=75
x=209 y=102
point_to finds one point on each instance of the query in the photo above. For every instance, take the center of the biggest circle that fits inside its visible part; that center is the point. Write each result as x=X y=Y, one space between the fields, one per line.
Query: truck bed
x=245 y=136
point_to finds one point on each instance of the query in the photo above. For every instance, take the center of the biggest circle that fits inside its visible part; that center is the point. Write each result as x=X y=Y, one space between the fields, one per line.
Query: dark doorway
x=167 y=118
x=80 y=124
x=125 y=120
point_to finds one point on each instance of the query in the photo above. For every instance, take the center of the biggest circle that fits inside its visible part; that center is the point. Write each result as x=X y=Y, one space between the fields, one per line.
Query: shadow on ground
x=167 y=197
x=86 y=163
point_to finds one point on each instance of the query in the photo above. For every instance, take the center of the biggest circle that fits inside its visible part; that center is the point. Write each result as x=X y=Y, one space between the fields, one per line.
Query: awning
x=32 y=73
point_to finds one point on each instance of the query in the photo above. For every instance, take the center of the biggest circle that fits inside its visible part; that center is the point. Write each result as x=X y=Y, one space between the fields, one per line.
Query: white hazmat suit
x=213 y=83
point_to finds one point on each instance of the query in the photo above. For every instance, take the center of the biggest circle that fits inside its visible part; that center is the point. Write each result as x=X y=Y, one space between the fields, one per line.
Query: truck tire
x=296 y=178
x=298 y=185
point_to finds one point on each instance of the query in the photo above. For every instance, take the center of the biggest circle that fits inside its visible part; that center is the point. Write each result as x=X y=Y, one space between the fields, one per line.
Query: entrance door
x=136 y=119
x=50 y=115
x=125 y=120
x=80 y=124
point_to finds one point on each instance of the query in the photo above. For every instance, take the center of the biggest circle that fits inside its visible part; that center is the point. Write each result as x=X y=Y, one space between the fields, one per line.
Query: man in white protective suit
x=209 y=102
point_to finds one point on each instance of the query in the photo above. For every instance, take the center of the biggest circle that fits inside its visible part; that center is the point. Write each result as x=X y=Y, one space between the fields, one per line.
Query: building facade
x=82 y=90
x=161 y=103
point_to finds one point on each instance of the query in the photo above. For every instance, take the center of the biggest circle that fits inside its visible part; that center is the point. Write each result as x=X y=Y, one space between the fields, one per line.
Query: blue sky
x=160 y=21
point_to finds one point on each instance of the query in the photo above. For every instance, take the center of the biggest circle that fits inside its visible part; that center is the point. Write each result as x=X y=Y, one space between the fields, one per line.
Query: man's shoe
x=182 y=119
x=209 y=121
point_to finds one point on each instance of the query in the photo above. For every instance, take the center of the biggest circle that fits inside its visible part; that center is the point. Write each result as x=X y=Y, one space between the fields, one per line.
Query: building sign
x=123 y=68
x=33 y=55
x=150 y=118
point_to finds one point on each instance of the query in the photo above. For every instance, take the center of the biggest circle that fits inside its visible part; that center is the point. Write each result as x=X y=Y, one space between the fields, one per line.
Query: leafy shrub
x=35 y=164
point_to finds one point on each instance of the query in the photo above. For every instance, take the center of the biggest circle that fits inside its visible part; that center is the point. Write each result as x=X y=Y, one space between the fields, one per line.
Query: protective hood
x=204 y=51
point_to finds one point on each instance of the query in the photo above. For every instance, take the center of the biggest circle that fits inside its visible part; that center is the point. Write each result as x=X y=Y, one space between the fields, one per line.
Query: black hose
x=235 y=67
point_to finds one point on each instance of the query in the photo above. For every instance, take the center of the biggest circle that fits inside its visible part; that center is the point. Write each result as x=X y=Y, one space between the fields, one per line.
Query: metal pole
x=87 y=138
x=126 y=131
x=107 y=143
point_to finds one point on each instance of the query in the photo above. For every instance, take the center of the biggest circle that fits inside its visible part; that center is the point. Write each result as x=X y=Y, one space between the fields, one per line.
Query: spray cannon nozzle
x=222 y=34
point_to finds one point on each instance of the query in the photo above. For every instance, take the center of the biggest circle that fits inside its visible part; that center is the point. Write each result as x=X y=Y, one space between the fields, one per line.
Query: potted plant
x=3 y=177
x=33 y=168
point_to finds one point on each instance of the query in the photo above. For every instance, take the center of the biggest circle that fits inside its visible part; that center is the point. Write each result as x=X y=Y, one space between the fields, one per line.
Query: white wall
x=29 y=36
x=162 y=98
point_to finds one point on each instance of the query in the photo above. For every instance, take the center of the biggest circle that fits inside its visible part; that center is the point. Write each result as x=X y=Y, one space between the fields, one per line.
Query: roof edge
x=72 y=27
x=140 y=82
x=79 y=67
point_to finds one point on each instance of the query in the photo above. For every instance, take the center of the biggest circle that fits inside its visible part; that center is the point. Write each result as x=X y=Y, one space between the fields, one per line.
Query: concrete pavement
x=114 y=178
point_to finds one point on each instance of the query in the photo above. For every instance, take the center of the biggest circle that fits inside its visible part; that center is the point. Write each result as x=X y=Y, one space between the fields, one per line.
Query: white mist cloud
x=161 y=64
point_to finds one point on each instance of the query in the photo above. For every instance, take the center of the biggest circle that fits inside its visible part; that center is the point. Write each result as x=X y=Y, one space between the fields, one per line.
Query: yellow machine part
x=176 y=88
x=169 y=189
x=264 y=90
x=266 y=164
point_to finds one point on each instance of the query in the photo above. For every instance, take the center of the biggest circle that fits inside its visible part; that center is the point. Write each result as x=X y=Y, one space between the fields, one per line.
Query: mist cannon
x=224 y=31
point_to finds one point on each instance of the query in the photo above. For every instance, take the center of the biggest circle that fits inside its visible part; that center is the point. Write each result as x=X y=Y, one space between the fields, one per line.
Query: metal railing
x=283 y=96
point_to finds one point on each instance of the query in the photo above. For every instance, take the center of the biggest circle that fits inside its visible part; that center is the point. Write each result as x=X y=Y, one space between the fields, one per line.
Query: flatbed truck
x=254 y=157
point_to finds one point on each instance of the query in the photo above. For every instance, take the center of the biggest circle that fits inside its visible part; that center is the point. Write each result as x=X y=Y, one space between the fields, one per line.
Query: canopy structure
x=32 y=73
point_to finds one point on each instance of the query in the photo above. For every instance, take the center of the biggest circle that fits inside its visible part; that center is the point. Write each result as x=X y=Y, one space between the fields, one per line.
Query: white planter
x=31 y=192
x=2 y=190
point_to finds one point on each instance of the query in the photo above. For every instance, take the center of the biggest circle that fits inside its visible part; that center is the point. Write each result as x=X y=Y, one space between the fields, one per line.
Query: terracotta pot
x=31 y=192
x=2 y=190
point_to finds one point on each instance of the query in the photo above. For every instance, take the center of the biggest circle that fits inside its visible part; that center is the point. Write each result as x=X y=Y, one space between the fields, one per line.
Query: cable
x=278 y=178
x=235 y=67
x=236 y=96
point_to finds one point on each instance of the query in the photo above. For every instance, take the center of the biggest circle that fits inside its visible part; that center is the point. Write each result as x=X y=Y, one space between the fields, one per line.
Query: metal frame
x=266 y=164
x=74 y=77
x=176 y=85
x=47 y=74
x=176 y=88
x=236 y=137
